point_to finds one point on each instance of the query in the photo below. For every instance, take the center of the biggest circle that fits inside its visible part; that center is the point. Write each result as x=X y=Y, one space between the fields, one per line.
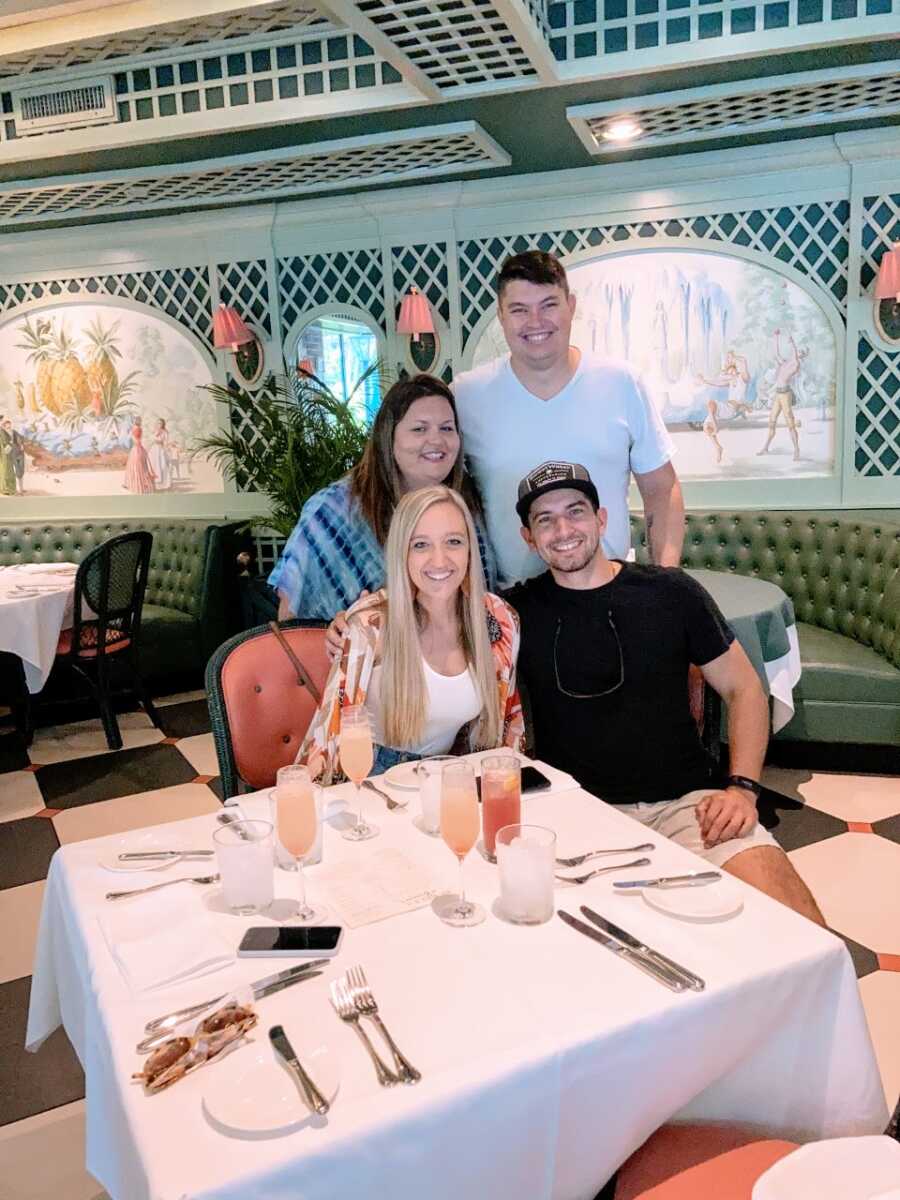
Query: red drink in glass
x=501 y=796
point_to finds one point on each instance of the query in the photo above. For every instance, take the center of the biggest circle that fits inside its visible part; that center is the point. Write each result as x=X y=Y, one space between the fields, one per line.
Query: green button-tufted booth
x=842 y=572
x=185 y=606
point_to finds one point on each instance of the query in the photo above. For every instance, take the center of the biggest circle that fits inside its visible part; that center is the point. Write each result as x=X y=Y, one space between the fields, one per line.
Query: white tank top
x=452 y=702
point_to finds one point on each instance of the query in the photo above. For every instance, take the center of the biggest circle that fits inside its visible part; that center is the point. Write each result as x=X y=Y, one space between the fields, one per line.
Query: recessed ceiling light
x=623 y=129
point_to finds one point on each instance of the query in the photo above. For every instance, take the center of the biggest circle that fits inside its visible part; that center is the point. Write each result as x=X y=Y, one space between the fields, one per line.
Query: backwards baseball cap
x=549 y=476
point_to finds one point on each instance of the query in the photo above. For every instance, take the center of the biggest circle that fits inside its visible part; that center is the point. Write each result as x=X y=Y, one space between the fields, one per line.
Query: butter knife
x=312 y=1097
x=693 y=981
x=675 y=983
x=693 y=879
x=138 y=855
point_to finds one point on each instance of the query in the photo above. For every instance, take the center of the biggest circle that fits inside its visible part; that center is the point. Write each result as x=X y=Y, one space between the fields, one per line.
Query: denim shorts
x=387 y=757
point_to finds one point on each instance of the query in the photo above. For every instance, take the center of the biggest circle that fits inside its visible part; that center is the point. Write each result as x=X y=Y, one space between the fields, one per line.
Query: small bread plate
x=715 y=902
x=251 y=1094
x=143 y=841
x=402 y=775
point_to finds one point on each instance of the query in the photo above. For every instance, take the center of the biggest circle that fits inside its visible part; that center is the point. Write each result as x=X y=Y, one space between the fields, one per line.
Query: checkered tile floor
x=842 y=832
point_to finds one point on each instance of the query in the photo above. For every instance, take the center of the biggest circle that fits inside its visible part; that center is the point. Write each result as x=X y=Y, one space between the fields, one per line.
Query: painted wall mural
x=740 y=362
x=96 y=400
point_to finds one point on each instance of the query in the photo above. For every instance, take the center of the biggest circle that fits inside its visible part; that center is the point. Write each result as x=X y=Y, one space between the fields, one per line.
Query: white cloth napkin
x=159 y=940
x=853 y=1168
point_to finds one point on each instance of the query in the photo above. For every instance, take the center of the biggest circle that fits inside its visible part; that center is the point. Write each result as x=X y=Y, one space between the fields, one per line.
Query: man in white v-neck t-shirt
x=550 y=400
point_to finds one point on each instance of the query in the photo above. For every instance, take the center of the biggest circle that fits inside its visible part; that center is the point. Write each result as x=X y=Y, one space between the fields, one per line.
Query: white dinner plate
x=714 y=902
x=402 y=775
x=132 y=843
x=251 y=1092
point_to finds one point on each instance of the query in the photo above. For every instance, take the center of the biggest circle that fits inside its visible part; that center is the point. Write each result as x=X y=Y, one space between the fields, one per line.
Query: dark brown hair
x=375 y=480
x=534 y=266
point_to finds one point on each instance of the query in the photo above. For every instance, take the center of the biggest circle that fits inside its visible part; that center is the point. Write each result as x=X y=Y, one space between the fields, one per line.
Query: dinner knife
x=162 y=1031
x=313 y=1098
x=136 y=855
x=675 y=983
x=694 y=879
x=632 y=942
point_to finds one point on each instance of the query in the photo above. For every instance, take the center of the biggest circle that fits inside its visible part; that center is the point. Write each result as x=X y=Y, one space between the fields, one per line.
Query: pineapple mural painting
x=76 y=384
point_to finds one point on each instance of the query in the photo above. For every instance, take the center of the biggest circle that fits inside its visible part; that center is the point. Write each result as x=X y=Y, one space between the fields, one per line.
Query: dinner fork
x=583 y=858
x=345 y=1008
x=389 y=800
x=638 y=862
x=168 y=883
x=366 y=1006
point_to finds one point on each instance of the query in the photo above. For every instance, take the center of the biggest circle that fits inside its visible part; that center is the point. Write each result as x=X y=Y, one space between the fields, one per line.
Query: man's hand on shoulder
x=726 y=814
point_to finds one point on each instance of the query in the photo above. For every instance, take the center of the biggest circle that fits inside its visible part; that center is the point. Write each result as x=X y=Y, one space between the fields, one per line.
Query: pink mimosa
x=459 y=819
x=296 y=806
x=356 y=752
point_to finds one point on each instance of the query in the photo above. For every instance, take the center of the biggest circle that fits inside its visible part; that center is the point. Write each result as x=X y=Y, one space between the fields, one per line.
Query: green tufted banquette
x=185 y=605
x=842 y=572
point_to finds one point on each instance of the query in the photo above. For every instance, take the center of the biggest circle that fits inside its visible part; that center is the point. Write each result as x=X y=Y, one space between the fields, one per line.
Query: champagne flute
x=295 y=806
x=356 y=761
x=460 y=823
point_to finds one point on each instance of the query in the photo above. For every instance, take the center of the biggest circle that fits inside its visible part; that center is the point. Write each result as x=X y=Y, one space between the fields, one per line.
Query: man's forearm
x=748 y=731
x=664 y=517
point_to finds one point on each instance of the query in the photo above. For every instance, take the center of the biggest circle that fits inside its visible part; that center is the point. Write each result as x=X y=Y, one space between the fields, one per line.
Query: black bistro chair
x=109 y=599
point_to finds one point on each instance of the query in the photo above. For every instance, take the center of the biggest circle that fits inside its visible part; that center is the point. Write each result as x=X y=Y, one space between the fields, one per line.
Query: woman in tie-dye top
x=336 y=549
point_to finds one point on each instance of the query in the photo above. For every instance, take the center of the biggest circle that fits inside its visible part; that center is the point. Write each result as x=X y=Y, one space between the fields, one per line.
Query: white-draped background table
x=36 y=601
x=546 y=1060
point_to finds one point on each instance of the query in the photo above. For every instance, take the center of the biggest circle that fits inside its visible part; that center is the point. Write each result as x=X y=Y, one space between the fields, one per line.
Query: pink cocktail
x=501 y=796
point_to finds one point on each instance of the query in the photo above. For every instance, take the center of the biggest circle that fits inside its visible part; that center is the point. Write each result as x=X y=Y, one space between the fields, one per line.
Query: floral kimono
x=348 y=682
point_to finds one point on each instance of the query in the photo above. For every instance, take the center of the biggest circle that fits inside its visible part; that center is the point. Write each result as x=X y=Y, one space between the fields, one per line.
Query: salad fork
x=579 y=859
x=366 y=1006
x=343 y=1005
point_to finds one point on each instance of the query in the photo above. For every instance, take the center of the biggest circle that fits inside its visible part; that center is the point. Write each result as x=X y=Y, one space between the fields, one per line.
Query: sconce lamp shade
x=229 y=331
x=305 y=367
x=415 y=315
x=888 y=285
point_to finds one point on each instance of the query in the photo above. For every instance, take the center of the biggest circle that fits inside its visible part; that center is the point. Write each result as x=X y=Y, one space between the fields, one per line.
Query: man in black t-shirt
x=606 y=647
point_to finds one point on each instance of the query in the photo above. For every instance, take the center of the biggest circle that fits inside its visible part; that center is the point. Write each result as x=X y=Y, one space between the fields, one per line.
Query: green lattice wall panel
x=245 y=286
x=877 y=446
x=337 y=277
x=880 y=229
x=424 y=267
x=812 y=238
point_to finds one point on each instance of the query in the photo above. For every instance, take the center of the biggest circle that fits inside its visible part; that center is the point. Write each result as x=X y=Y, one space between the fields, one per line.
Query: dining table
x=761 y=616
x=545 y=1059
x=36 y=604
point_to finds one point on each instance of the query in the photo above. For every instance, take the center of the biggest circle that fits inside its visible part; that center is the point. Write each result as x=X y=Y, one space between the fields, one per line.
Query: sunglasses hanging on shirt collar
x=588 y=695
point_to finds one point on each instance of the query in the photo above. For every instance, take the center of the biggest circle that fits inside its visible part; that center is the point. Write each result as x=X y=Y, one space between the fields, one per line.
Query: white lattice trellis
x=246 y=286
x=697 y=114
x=350 y=162
x=425 y=267
x=877 y=446
x=341 y=277
x=270 y=18
x=810 y=237
x=880 y=229
x=180 y=292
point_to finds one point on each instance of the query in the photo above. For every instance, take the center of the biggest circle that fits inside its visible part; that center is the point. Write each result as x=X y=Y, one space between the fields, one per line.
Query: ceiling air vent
x=52 y=109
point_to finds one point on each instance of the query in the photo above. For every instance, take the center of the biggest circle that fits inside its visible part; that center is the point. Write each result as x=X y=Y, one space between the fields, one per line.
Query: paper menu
x=386 y=884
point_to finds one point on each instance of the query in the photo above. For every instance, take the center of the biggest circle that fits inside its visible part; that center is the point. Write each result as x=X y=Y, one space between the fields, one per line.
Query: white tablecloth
x=30 y=624
x=546 y=1059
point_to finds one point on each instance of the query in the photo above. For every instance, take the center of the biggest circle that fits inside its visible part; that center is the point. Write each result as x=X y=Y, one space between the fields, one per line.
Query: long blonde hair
x=403 y=689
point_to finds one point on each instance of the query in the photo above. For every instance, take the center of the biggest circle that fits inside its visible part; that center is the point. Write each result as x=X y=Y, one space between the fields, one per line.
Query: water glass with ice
x=246 y=867
x=429 y=771
x=526 y=856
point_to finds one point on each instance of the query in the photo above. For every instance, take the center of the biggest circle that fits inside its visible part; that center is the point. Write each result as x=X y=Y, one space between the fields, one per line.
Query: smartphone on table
x=293 y=941
x=533 y=780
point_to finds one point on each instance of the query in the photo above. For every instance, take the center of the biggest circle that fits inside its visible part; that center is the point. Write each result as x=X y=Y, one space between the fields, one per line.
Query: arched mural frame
x=817 y=491
x=351 y=312
x=195 y=504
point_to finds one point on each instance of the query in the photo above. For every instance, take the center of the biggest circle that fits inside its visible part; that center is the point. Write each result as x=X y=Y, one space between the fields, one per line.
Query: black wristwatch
x=741 y=781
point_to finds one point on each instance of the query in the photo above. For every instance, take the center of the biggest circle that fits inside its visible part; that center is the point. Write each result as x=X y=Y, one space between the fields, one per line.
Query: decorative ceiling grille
x=273 y=18
x=877 y=447
x=880 y=229
x=341 y=277
x=182 y=293
x=424 y=267
x=352 y=162
x=583 y=29
x=245 y=286
x=810 y=237
x=453 y=42
x=816 y=98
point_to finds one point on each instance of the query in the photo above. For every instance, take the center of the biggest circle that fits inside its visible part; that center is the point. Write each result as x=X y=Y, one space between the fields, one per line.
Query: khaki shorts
x=677 y=819
x=783 y=402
